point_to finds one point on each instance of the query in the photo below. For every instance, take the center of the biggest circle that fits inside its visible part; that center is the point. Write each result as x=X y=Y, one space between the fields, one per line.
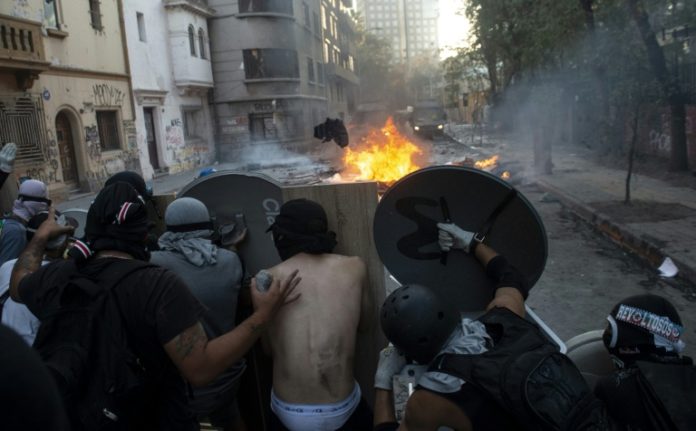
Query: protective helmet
x=642 y=325
x=418 y=322
x=187 y=214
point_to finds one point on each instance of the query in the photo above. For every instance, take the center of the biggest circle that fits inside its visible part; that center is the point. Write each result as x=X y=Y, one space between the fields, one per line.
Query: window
x=307 y=15
x=262 y=127
x=95 y=14
x=310 y=70
x=320 y=73
x=317 y=25
x=107 y=124
x=51 y=14
x=276 y=6
x=193 y=123
x=279 y=125
x=141 y=27
x=192 y=40
x=201 y=43
x=270 y=63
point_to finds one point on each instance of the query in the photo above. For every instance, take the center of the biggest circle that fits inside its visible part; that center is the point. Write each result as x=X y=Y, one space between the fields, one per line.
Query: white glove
x=452 y=236
x=390 y=363
x=7 y=157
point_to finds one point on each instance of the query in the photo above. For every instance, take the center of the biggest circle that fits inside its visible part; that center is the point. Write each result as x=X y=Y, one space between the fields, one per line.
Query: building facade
x=273 y=82
x=339 y=34
x=65 y=93
x=172 y=77
x=411 y=26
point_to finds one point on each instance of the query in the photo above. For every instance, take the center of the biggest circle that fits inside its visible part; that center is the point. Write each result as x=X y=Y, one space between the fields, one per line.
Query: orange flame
x=385 y=155
x=487 y=163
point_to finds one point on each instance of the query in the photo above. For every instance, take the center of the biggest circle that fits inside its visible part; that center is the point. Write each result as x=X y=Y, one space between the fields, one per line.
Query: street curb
x=642 y=245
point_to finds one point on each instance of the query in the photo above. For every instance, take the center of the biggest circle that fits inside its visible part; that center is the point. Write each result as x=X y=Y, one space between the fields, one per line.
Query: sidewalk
x=661 y=222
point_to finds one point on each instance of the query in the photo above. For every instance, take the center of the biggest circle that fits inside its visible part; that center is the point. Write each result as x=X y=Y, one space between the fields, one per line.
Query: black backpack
x=84 y=343
x=527 y=375
x=668 y=393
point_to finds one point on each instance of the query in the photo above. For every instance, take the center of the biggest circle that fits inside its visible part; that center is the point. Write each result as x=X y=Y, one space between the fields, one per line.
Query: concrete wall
x=655 y=135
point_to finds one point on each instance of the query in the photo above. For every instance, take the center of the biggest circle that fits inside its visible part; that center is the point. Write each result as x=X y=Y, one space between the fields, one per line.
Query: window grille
x=21 y=122
x=107 y=123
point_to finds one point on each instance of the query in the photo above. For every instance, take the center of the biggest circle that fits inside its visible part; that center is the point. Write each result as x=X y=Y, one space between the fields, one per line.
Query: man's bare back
x=312 y=340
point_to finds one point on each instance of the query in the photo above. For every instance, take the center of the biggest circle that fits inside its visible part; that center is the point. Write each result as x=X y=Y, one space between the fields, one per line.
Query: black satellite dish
x=405 y=231
x=240 y=197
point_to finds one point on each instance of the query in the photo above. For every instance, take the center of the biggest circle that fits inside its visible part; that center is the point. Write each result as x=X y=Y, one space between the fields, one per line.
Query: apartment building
x=411 y=26
x=65 y=93
x=169 y=51
x=280 y=67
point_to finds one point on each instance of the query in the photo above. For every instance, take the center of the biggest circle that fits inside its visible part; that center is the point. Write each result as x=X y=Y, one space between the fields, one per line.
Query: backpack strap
x=3 y=299
x=488 y=224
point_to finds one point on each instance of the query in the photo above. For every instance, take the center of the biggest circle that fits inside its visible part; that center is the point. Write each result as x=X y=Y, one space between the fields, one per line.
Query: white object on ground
x=668 y=268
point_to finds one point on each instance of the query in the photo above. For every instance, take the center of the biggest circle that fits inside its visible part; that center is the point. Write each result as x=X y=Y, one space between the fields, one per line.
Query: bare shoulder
x=426 y=410
x=353 y=262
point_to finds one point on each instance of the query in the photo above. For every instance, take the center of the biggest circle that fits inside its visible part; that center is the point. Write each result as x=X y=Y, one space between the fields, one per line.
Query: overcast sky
x=453 y=28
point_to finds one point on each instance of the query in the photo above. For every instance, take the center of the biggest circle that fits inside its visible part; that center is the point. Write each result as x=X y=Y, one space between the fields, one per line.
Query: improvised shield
x=405 y=231
x=256 y=197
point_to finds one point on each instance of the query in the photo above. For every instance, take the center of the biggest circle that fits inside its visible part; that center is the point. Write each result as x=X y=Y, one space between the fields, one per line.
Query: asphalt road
x=586 y=275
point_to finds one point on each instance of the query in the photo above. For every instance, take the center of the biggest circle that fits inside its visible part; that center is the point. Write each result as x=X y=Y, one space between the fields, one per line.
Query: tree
x=668 y=81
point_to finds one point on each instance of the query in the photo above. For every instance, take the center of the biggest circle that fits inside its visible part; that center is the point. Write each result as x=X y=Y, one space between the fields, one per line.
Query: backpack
x=84 y=344
x=527 y=375
x=668 y=394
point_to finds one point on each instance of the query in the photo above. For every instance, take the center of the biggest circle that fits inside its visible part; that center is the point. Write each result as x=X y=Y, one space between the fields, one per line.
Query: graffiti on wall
x=92 y=142
x=131 y=134
x=107 y=95
x=659 y=142
x=174 y=136
x=128 y=160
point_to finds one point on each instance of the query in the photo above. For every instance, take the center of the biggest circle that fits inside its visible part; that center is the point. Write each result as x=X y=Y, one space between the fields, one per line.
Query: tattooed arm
x=30 y=259
x=201 y=360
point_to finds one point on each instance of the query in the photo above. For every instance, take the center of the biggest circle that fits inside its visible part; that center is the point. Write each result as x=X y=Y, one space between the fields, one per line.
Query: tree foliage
x=600 y=56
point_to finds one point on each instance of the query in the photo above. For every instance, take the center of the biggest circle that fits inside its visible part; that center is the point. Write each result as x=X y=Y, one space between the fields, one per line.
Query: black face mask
x=26 y=198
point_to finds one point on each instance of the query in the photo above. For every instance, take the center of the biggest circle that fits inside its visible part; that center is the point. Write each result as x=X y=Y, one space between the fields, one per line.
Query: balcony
x=22 y=50
x=334 y=70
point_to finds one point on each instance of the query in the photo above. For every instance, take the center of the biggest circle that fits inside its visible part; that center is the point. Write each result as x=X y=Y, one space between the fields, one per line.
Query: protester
x=134 y=179
x=653 y=384
x=31 y=200
x=29 y=399
x=313 y=340
x=214 y=276
x=160 y=316
x=17 y=316
x=7 y=158
x=422 y=326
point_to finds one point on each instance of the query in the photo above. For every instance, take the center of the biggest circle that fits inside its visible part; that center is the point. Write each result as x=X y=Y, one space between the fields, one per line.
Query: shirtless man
x=312 y=340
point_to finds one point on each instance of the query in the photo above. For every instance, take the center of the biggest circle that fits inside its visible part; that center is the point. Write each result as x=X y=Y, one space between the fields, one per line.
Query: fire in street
x=384 y=155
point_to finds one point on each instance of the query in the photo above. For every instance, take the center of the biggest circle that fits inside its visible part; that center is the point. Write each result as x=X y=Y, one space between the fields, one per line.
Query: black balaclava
x=302 y=227
x=117 y=220
x=643 y=326
x=132 y=178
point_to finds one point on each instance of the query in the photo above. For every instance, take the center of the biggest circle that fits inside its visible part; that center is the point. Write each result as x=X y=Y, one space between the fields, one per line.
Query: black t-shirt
x=29 y=399
x=156 y=306
x=484 y=413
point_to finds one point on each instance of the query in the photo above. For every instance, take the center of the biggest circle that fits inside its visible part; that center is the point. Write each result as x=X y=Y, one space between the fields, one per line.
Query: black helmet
x=418 y=322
